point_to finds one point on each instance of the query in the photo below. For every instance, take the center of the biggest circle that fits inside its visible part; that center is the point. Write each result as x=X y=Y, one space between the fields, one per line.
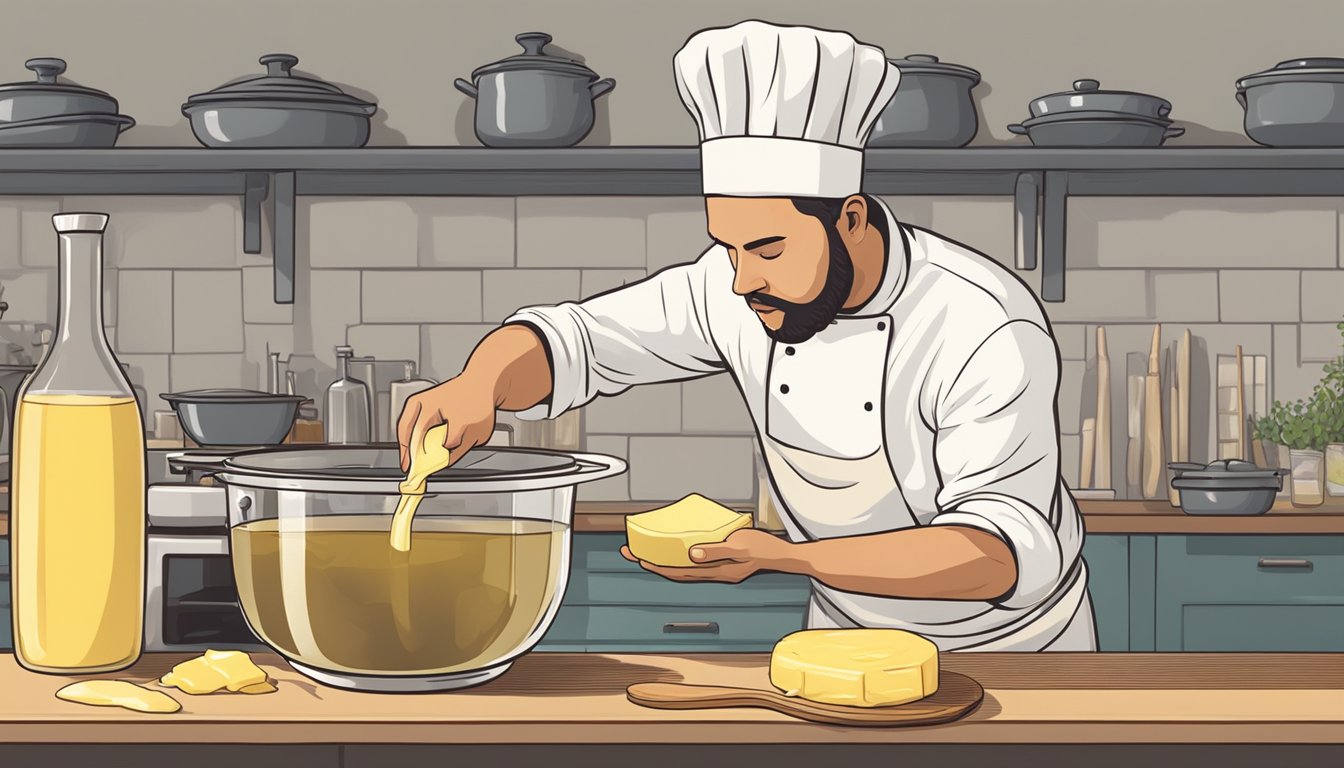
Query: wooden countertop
x=1126 y=517
x=1121 y=517
x=579 y=698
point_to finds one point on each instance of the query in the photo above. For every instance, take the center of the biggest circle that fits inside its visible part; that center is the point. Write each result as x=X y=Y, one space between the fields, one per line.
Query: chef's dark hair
x=828 y=211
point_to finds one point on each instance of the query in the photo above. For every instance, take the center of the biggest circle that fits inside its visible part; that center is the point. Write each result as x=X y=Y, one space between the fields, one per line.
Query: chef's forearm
x=512 y=363
x=946 y=562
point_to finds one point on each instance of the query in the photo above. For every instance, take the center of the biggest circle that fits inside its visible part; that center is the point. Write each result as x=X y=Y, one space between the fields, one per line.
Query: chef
x=902 y=385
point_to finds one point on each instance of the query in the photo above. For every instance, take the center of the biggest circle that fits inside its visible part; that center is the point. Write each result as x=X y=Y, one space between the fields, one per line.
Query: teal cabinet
x=1107 y=559
x=1250 y=593
x=613 y=605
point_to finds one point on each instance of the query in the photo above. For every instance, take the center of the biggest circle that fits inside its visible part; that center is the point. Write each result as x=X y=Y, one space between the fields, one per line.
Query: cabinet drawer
x=672 y=626
x=644 y=588
x=1270 y=628
x=1250 y=569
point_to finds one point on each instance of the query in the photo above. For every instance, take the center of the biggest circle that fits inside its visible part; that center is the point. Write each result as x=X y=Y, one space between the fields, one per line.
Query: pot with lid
x=534 y=99
x=279 y=110
x=1088 y=116
x=1297 y=103
x=932 y=106
x=49 y=113
x=320 y=582
x=1226 y=487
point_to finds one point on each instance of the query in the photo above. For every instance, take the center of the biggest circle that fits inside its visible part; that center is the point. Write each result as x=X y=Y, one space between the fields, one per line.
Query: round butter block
x=855 y=667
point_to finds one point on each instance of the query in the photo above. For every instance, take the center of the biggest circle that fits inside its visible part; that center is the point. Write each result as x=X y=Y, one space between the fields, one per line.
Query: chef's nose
x=748 y=279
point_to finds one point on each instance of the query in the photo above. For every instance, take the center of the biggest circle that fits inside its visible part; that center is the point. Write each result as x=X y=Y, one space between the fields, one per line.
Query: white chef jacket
x=932 y=404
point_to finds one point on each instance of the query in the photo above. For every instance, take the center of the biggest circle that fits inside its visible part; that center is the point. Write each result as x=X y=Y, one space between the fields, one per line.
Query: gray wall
x=426 y=278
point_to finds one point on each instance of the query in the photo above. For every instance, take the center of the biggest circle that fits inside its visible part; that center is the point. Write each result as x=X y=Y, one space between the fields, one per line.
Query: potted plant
x=1304 y=437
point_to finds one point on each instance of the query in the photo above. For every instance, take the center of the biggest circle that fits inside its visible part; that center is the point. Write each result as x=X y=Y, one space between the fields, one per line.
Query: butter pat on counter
x=218 y=670
x=855 y=667
x=664 y=536
x=118 y=693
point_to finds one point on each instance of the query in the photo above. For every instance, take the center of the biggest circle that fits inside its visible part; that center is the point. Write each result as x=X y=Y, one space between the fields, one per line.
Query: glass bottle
x=399 y=392
x=79 y=484
x=347 y=404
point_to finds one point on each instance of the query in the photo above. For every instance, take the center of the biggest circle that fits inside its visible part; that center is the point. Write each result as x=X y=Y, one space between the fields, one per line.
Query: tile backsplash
x=426 y=278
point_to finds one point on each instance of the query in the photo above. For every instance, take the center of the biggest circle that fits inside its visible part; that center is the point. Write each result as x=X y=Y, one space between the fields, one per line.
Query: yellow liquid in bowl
x=78 y=532
x=330 y=593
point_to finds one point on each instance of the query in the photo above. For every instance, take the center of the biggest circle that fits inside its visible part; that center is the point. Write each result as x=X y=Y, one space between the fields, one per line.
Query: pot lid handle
x=278 y=64
x=1086 y=85
x=533 y=42
x=46 y=69
x=1320 y=62
x=922 y=57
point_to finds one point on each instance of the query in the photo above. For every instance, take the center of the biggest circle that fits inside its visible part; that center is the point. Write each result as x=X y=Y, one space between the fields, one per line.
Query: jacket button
x=881 y=326
x=784 y=388
x=867 y=406
x=788 y=350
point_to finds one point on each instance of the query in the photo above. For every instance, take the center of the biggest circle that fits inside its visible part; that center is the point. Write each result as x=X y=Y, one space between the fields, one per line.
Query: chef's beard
x=803 y=321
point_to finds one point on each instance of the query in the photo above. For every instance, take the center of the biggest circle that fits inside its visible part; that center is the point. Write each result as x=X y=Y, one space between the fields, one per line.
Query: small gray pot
x=932 y=107
x=534 y=99
x=1298 y=103
x=279 y=110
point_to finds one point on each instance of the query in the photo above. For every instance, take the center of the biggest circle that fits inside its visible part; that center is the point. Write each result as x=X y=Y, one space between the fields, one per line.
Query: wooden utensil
x=1183 y=377
x=956 y=697
x=1134 y=448
x=1085 y=470
x=1173 y=421
x=1102 y=454
x=1152 y=420
x=1241 y=407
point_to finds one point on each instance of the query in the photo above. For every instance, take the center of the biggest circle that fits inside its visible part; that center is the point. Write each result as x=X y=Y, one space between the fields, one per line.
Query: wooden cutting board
x=956 y=697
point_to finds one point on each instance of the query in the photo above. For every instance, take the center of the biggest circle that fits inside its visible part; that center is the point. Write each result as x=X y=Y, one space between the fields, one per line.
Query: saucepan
x=932 y=107
x=320 y=583
x=279 y=109
x=237 y=417
x=1088 y=116
x=534 y=99
x=1297 y=103
x=49 y=113
x=1226 y=487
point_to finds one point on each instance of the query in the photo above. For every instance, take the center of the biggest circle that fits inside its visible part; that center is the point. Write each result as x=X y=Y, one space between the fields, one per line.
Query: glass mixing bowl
x=320 y=583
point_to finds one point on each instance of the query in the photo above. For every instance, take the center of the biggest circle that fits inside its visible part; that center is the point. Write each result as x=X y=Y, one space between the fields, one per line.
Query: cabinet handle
x=1284 y=562
x=706 y=627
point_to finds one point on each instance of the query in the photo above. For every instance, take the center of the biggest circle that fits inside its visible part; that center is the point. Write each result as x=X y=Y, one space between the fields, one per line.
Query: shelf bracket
x=283 y=237
x=1053 y=220
x=1026 y=207
x=254 y=194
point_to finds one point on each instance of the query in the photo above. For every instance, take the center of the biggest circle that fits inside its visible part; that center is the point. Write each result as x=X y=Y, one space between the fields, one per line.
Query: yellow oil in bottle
x=78 y=532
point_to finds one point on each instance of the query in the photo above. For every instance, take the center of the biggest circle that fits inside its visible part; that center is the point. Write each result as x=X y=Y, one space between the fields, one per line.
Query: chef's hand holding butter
x=902 y=385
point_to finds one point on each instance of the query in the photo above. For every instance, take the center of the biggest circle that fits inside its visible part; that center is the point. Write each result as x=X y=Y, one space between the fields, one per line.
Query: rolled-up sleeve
x=997 y=452
x=651 y=331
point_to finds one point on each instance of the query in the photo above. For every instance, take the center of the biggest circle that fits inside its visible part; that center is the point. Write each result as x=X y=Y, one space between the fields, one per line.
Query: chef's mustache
x=772 y=301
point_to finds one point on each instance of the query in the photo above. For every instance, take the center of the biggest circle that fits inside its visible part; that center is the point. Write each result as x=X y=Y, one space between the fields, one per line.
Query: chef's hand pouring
x=508 y=370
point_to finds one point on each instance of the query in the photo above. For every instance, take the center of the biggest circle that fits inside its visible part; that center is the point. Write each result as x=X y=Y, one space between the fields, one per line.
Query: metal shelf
x=1031 y=175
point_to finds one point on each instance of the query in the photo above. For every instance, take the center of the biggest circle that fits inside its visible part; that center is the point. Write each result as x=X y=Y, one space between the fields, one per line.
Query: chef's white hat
x=783 y=111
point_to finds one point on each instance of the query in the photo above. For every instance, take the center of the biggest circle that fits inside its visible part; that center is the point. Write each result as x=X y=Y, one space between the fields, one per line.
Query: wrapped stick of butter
x=665 y=536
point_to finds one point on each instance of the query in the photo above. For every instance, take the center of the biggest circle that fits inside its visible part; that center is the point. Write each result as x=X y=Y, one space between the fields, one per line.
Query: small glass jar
x=1308 y=478
x=1334 y=469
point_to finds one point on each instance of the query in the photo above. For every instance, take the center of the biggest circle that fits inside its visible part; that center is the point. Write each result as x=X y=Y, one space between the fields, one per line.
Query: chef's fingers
x=628 y=555
x=410 y=413
x=711 y=553
x=428 y=418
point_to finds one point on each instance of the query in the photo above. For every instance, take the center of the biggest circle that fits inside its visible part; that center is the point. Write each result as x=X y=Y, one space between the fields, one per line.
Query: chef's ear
x=854 y=217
